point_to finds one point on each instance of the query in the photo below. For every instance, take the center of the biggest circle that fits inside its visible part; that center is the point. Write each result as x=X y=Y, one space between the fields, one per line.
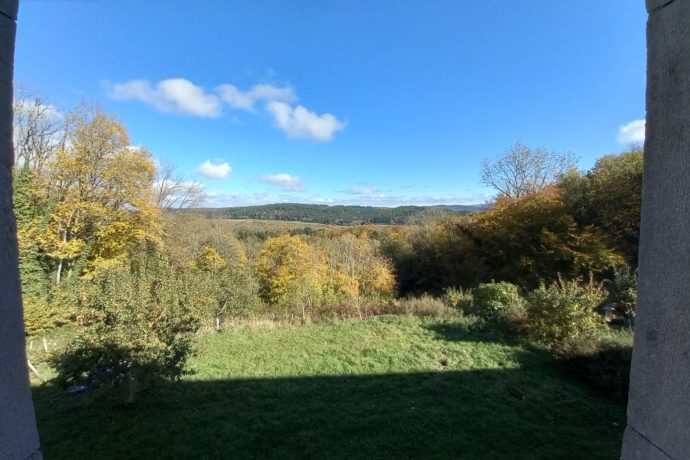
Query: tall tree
x=522 y=170
x=100 y=194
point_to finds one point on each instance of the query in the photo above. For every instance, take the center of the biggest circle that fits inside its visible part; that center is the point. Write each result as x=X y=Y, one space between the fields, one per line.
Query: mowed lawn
x=389 y=387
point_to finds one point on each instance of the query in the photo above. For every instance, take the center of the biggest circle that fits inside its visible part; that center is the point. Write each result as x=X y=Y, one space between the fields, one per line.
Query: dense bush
x=41 y=316
x=564 y=309
x=602 y=362
x=495 y=302
x=133 y=326
x=622 y=288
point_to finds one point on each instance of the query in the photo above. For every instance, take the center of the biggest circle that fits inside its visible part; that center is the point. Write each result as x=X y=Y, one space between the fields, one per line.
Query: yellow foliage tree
x=358 y=270
x=210 y=260
x=533 y=238
x=290 y=274
x=99 y=195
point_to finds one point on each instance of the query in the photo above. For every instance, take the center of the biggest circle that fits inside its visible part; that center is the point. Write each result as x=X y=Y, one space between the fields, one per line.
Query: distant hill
x=324 y=214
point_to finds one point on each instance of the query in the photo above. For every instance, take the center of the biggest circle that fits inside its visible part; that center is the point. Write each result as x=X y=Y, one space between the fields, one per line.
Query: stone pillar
x=18 y=435
x=659 y=403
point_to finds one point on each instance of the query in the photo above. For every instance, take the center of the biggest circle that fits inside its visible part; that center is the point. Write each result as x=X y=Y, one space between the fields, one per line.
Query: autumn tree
x=533 y=239
x=522 y=170
x=100 y=195
x=609 y=196
x=290 y=274
x=358 y=270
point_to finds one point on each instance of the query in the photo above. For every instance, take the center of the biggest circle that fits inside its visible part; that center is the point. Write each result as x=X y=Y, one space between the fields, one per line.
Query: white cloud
x=214 y=171
x=182 y=96
x=245 y=100
x=300 y=122
x=285 y=181
x=632 y=133
x=171 y=95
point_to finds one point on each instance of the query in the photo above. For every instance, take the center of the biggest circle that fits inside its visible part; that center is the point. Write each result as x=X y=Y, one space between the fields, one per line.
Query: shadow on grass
x=603 y=366
x=481 y=414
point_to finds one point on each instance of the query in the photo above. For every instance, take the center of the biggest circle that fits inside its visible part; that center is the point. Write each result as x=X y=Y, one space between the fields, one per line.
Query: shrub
x=457 y=298
x=622 y=298
x=425 y=305
x=133 y=327
x=495 y=302
x=602 y=362
x=565 y=309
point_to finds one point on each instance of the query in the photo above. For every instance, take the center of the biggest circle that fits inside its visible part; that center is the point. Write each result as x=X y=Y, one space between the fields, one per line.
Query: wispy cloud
x=221 y=199
x=632 y=133
x=300 y=122
x=285 y=181
x=375 y=197
x=172 y=95
x=214 y=170
x=361 y=191
x=180 y=95
x=246 y=100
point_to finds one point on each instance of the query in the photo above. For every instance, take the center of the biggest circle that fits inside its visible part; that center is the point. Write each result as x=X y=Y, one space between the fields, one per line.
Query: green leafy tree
x=134 y=326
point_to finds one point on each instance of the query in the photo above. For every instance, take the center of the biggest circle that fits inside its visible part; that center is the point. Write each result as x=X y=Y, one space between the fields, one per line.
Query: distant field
x=252 y=225
x=271 y=225
x=389 y=387
x=338 y=214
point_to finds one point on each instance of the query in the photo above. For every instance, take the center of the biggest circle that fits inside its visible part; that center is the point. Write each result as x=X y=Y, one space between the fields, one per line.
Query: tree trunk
x=59 y=271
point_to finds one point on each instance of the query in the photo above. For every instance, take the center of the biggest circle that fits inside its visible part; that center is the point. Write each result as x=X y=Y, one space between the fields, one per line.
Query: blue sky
x=353 y=102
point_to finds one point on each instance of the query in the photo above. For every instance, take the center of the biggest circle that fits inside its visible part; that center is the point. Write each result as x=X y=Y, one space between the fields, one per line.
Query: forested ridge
x=336 y=215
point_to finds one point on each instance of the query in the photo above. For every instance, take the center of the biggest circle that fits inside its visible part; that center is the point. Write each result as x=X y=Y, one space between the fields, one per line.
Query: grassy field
x=389 y=387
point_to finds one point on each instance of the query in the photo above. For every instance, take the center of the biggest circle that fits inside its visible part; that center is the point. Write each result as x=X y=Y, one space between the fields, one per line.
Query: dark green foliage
x=133 y=326
x=32 y=266
x=338 y=215
x=601 y=362
x=235 y=294
x=622 y=289
x=496 y=302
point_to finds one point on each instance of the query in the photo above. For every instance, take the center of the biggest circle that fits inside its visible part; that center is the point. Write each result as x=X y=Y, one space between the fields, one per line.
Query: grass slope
x=390 y=387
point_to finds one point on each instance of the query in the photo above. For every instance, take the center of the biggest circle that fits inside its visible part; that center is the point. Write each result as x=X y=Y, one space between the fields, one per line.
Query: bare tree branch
x=172 y=191
x=521 y=170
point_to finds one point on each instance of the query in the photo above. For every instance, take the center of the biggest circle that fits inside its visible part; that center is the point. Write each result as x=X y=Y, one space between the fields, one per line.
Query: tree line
x=334 y=215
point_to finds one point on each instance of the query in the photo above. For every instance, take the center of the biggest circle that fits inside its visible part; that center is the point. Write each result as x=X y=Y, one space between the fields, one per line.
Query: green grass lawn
x=389 y=387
